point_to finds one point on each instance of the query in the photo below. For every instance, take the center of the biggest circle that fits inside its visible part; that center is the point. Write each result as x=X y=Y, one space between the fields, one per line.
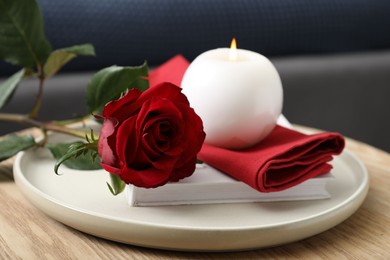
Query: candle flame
x=233 y=50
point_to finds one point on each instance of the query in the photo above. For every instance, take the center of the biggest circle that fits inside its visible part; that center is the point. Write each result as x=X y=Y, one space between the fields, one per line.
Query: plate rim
x=358 y=194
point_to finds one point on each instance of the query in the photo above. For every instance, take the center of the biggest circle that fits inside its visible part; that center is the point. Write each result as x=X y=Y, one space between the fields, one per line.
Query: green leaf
x=117 y=185
x=109 y=83
x=9 y=86
x=12 y=144
x=60 y=57
x=22 y=38
x=74 y=155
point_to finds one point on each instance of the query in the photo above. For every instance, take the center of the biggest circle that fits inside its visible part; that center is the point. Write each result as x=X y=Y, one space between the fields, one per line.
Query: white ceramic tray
x=80 y=199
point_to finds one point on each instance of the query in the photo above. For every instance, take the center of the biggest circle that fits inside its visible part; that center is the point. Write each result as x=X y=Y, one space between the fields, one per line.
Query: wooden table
x=27 y=233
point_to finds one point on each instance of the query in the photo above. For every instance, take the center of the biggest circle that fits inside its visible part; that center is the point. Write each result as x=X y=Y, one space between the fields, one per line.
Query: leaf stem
x=38 y=101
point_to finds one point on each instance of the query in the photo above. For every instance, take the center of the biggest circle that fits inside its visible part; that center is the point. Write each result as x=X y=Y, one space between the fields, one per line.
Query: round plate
x=81 y=199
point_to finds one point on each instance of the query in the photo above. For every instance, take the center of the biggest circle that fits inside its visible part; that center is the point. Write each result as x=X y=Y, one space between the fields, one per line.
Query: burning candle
x=237 y=93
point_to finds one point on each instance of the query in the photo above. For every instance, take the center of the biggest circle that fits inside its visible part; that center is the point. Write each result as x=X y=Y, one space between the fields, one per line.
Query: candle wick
x=233 y=55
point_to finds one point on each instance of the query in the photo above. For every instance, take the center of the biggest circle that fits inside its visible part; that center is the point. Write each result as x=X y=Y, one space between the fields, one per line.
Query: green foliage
x=23 y=42
x=60 y=57
x=22 y=38
x=116 y=186
x=12 y=144
x=9 y=86
x=77 y=155
x=109 y=83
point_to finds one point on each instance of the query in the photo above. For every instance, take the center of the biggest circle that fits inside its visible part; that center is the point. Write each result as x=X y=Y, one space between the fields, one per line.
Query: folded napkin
x=171 y=71
x=282 y=160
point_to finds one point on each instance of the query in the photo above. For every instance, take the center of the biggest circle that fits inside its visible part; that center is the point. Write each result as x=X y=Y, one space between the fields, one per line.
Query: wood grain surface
x=27 y=233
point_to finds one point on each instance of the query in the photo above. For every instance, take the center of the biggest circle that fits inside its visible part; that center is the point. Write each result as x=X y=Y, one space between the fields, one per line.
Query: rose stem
x=46 y=126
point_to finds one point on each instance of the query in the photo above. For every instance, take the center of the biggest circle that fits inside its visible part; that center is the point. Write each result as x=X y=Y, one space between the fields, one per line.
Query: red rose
x=152 y=137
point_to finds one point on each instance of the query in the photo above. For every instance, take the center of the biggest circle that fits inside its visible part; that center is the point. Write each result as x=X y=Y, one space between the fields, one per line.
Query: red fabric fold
x=285 y=158
x=282 y=160
x=171 y=71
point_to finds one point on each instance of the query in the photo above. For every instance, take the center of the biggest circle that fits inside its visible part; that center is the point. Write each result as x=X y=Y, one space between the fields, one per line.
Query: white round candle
x=237 y=93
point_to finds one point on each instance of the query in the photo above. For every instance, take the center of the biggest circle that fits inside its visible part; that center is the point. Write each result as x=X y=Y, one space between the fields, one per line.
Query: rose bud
x=150 y=138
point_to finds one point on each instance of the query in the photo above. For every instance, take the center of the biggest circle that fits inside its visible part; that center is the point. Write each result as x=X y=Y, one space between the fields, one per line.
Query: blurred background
x=333 y=56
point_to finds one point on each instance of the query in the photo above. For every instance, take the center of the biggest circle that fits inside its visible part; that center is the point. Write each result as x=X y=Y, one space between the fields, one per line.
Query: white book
x=208 y=186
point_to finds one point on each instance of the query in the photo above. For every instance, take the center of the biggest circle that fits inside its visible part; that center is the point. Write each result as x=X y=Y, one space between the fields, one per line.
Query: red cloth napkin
x=282 y=160
x=171 y=71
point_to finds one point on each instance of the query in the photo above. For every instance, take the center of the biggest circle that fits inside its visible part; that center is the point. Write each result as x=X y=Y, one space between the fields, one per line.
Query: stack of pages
x=208 y=185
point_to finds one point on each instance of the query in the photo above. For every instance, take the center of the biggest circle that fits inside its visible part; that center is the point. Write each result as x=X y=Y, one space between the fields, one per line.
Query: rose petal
x=165 y=162
x=164 y=90
x=110 y=169
x=127 y=141
x=106 y=147
x=184 y=171
x=150 y=147
x=152 y=114
x=122 y=107
x=193 y=131
x=148 y=178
